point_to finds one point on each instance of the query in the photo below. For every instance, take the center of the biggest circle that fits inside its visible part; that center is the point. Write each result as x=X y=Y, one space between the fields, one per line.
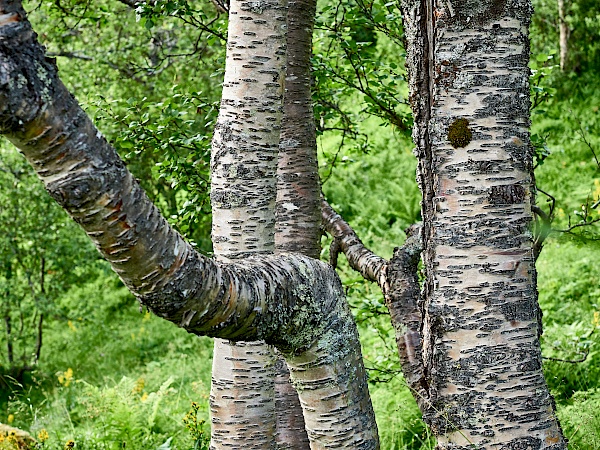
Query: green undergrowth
x=112 y=377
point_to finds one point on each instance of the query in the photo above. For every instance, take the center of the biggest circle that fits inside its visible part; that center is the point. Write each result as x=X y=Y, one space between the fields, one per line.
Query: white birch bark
x=243 y=191
x=469 y=89
x=563 y=34
x=298 y=213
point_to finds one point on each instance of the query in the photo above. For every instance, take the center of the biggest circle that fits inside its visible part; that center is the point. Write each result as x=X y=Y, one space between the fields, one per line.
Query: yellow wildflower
x=144 y=397
x=43 y=435
x=139 y=386
x=70 y=444
x=65 y=377
x=71 y=326
x=12 y=439
x=10 y=419
x=596 y=321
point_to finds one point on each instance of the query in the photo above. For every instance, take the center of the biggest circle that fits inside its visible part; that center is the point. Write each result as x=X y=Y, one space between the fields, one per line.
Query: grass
x=119 y=379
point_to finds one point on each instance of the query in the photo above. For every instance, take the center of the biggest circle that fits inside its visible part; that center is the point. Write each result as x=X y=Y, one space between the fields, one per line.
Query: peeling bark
x=481 y=328
x=290 y=301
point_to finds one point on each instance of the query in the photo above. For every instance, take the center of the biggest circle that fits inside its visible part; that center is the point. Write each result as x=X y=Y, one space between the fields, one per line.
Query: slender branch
x=73 y=55
x=584 y=139
x=577 y=225
x=360 y=258
x=399 y=282
x=570 y=361
x=542 y=230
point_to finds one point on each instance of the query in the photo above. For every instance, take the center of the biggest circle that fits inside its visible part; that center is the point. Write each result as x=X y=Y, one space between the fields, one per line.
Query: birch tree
x=481 y=321
x=470 y=352
x=469 y=342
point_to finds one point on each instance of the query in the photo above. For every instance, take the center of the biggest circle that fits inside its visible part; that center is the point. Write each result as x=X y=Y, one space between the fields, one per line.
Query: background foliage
x=110 y=377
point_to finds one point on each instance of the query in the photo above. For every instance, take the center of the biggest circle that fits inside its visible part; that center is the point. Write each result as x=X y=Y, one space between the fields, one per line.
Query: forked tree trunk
x=467 y=64
x=243 y=373
x=292 y=302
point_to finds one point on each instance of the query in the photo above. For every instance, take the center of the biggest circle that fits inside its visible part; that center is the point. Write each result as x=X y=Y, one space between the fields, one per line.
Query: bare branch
x=570 y=361
x=542 y=230
x=360 y=258
x=73 y=55
x=399 y=282
x=577 y=225
x=581 y=133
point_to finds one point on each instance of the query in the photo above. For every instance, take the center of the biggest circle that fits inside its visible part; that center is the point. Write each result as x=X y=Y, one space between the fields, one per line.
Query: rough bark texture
x=298 y=190
x=360 y=258
x=246 y=139
x=290 y=428
x=243 y=168
x=292 y=302
x=85 y=176
x=402 y=297
x=468 y=75
x=399 y=283
x=242 y=398
x=298 y=213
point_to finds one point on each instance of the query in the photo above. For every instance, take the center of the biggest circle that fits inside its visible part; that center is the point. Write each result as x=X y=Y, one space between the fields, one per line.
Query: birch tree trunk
x=243 y=191
x=563 y=34
x=298 y=212
x=467 y=64
x=292 y=302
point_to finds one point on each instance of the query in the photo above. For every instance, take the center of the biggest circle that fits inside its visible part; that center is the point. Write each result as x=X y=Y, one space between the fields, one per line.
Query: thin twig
x=570 y=361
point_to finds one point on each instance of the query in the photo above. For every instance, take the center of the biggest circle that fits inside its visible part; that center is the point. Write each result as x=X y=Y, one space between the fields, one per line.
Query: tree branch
x=360 y=258
x=84 y=174
x=399 y=282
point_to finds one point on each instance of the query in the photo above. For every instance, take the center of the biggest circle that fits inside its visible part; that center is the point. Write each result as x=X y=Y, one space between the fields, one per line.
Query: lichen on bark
x=459 y=133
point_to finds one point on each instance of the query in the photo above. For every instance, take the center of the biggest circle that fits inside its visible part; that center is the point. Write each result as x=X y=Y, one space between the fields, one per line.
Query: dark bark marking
x=526 y=443
x=473 y=12
x=507 y=194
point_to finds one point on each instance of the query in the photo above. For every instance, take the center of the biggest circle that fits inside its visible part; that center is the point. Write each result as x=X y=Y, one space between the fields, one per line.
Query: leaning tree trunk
x=467 y=64
x=292 y=302
x=243 y=177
